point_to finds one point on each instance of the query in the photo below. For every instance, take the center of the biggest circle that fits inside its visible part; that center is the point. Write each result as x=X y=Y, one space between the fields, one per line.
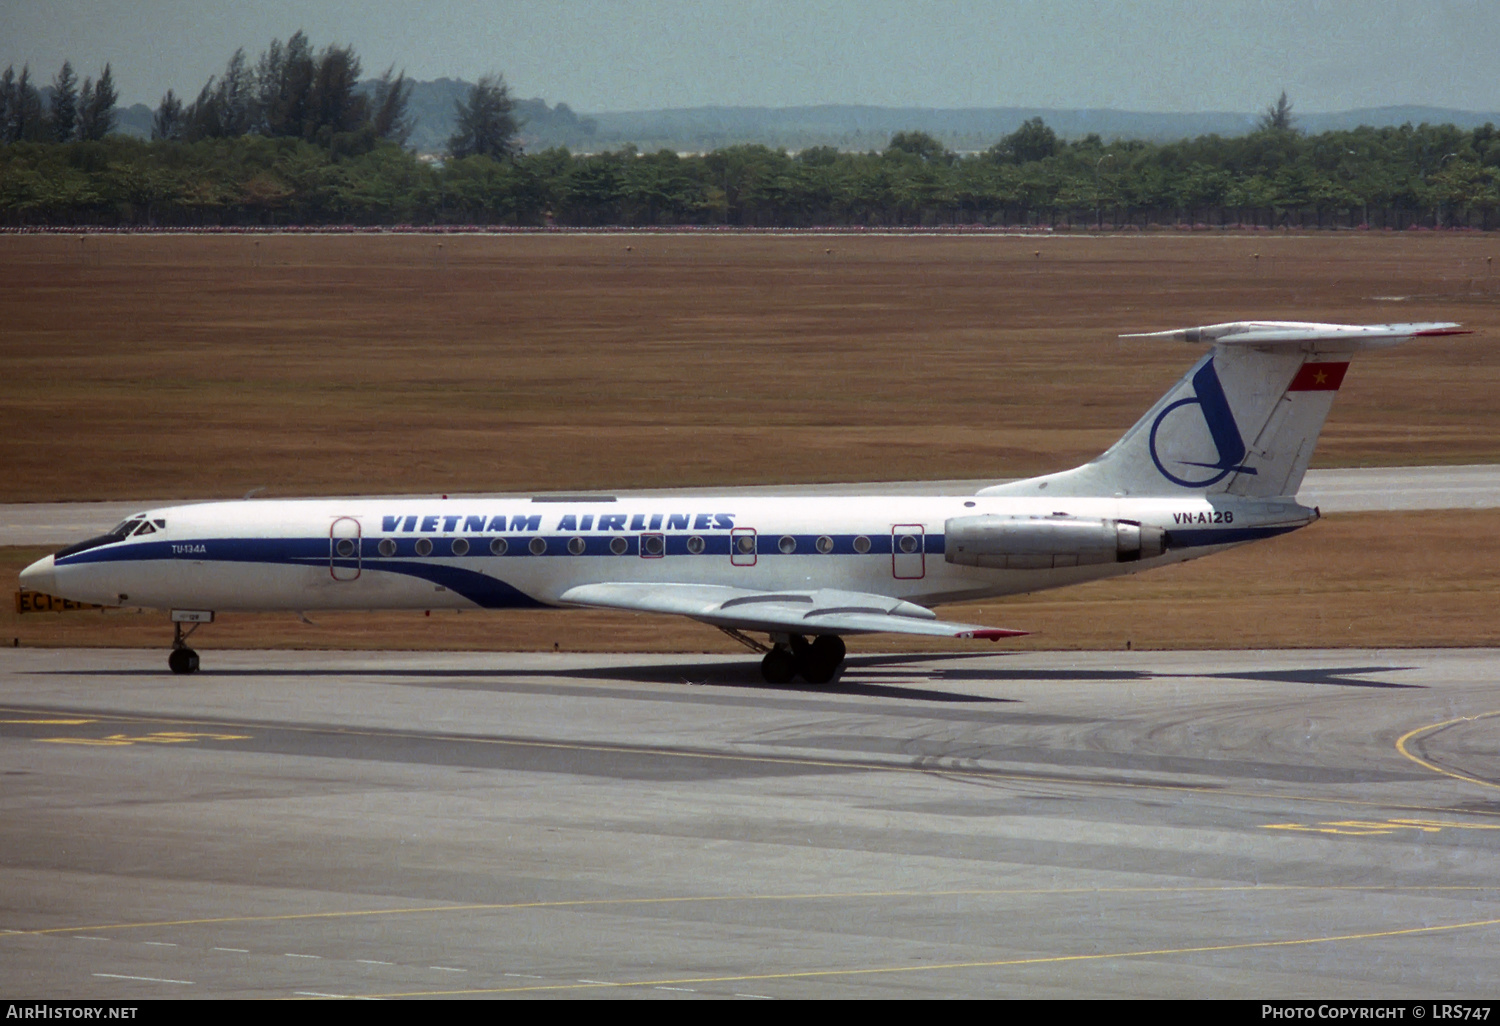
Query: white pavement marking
x=160 y=944
x=293 y=954
x=372 y=961
x=242 y=951
x=447 y=969
x=147 y=979
x=1343 y=490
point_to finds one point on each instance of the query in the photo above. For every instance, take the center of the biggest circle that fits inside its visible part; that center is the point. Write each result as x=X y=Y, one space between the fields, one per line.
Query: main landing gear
x=816 y=662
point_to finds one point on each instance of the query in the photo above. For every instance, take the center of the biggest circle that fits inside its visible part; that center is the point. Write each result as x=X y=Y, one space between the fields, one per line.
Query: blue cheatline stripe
x=316 y=549
x=1180 y=539
x=482 y=589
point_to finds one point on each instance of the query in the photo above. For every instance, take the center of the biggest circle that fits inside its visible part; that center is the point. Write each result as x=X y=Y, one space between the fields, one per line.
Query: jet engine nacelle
x=1041 y=543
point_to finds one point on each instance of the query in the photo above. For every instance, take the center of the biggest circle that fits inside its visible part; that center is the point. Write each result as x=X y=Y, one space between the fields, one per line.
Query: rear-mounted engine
x=1042 y=543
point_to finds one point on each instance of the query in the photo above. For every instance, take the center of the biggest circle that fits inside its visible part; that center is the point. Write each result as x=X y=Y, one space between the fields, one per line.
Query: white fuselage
x=363 y=553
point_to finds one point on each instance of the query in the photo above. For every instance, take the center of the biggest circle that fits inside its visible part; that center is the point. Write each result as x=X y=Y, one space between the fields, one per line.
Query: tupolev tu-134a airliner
x=1215 y=463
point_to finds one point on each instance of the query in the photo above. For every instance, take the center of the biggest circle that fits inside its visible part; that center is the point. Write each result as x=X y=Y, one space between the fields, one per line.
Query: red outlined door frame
x=344 y=529
x=908 y=566
x=737 y=557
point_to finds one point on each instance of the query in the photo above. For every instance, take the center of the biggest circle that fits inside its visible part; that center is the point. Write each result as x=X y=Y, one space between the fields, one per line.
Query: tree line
x=70 y=112
x=295 y=137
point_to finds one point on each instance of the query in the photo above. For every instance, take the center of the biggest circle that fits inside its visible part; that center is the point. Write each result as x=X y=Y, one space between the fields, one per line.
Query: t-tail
x=1242 y=422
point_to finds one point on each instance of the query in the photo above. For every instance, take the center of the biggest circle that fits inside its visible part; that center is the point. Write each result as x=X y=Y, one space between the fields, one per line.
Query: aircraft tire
x=821 y=661
x=778 y=667
x=183 y=660
x=829 y=647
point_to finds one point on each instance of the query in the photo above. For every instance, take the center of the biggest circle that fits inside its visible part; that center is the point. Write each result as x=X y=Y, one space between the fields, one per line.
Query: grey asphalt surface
x=1231 y=824
x=1334 y=491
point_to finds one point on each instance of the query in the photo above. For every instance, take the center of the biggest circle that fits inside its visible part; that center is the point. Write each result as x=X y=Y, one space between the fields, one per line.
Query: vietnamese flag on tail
x=1318 y=377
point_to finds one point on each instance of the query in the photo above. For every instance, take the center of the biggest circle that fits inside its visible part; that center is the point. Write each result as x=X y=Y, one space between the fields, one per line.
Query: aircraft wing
x=823 y=611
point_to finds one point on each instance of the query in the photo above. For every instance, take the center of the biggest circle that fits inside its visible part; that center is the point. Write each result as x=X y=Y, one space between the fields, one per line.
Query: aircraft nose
x=40 y=576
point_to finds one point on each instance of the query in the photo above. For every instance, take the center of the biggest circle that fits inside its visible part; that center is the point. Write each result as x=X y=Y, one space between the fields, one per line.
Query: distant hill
x=134 y=120
x=858 y=128
x=699 y=129
x=431 y=106
x=845 y=127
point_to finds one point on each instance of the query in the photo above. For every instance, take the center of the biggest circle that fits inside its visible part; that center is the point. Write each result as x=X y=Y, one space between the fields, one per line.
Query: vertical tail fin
x=1243 y=421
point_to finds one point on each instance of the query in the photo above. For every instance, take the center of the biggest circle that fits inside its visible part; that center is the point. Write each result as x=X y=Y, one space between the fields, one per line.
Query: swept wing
x=821 y=611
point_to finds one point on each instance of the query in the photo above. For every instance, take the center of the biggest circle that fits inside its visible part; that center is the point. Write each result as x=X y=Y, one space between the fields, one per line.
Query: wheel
x=778 y=667
x=821 y=661
x=829 y=647
x=183 y=660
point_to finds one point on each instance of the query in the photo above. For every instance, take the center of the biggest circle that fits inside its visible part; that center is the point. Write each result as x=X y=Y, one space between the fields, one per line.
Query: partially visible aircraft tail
x=1243 y=421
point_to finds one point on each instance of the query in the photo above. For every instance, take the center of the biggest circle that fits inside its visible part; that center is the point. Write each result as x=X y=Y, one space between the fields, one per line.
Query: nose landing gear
x=183 y=659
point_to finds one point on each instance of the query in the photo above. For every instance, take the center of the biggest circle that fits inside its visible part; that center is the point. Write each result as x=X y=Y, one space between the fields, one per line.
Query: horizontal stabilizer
x=824 y=611
x=1244 y=421
x=1345 y=338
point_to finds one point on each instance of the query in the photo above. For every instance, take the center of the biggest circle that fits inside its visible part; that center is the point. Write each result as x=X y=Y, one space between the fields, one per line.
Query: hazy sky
x=598 y=55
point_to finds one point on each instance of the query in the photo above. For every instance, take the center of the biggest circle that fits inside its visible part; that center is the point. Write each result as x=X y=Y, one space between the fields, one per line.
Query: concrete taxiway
x=1248 y=824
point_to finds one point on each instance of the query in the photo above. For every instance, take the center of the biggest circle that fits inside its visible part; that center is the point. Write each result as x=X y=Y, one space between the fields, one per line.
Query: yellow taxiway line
x=1411 y=735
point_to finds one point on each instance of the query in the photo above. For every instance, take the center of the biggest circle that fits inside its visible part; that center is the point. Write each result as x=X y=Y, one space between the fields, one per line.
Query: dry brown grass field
x=158 y=367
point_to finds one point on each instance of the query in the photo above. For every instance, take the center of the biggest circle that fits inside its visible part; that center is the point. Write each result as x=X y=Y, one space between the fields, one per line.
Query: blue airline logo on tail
x=1209 y=397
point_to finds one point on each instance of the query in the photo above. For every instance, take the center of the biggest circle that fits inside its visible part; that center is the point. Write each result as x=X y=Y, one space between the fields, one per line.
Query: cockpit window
x=124 y=529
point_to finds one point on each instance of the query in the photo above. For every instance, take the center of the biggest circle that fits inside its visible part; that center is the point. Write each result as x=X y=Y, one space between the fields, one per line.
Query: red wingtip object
x=994 y=634
x=1430 y=332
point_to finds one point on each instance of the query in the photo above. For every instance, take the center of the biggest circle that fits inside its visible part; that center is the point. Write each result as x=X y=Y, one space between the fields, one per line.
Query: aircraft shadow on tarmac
x=865 y=675
x=1337 y=676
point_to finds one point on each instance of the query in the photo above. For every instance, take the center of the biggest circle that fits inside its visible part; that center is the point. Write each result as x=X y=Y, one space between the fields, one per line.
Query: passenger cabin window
x=861 y=544
x=498 y=547
x=460 y=546
x=387 y=547
x=424 y=546
x=695 y=545
x=619 y=546
x=825 y=544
